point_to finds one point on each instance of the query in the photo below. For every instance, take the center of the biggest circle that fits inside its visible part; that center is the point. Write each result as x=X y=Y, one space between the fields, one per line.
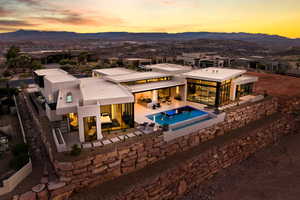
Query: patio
x=65 y=141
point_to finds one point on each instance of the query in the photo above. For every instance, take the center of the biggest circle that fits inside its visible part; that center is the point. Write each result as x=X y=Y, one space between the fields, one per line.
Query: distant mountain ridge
x=262 y=39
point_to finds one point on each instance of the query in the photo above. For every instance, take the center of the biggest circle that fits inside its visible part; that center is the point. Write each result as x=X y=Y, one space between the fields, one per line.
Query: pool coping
x=183 y=122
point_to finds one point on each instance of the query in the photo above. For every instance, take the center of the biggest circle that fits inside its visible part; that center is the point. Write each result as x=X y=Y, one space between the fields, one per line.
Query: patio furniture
x=142 y=126
x=158 y=105
x=153 y=106
x=152 y=124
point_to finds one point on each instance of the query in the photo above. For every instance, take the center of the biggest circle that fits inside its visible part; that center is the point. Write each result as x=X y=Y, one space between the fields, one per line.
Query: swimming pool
x=177 y=115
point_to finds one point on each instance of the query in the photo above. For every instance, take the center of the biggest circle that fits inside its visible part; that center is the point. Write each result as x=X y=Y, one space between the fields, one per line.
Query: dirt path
x=271 y=174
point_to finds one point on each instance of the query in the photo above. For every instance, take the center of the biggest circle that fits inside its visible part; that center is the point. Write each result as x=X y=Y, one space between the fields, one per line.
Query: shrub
x=76 y=150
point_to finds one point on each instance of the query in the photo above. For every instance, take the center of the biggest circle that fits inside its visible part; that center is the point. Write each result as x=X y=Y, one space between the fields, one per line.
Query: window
x=73 y=121
x=117 y=116
x=209 y=92
x=202 y=92
x=224 y=93
x=164 y=93
x=147 y=81
x=90 y=128
x=69 y=98
x=244 y=90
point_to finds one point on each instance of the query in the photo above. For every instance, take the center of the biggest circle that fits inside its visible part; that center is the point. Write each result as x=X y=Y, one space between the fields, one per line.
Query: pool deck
x=140 y=111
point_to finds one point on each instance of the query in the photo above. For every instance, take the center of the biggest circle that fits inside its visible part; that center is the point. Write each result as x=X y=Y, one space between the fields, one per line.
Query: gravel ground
x=271 y=174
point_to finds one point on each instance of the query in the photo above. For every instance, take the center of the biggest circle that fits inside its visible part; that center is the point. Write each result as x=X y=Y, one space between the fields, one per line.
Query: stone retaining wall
x=175 y=181
x=128 y=157
x=123 y=159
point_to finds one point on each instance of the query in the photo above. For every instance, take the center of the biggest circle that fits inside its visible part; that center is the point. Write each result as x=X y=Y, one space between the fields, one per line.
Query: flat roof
x=214 y=74
x=246 y=79
x=62 y=106
x=154 y=86
x=168 y=67
x=113 y=71
x=135 y=76
x=138 y=59
x=50 y=72
x=60 y=78
x=95 y=89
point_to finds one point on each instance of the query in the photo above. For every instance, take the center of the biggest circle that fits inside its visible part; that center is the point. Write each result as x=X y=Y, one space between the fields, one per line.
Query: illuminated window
x=73 y=121
x=90 y=128
x=117 y=116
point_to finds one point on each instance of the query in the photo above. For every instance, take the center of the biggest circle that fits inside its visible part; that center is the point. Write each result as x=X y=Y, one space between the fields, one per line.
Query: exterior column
x=154 y=96
x=184 y=92
x=233 y=92
x=217 y=102
x=81 y=128
x=98 y=124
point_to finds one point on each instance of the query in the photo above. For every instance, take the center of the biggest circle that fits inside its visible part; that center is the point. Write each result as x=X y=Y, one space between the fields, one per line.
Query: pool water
x=176 y=115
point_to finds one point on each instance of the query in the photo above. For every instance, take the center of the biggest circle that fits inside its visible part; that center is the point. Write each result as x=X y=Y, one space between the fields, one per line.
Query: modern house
x=118 y=99
x=204 y=60
x=218 y=86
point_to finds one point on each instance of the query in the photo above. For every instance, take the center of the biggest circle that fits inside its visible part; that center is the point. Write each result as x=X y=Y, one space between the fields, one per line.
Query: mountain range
x=261 y=39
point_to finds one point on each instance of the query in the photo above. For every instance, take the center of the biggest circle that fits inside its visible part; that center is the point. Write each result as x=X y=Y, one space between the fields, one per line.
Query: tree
x=12 y=53
x=82 y=58
x=23 y=61
x=36 y=65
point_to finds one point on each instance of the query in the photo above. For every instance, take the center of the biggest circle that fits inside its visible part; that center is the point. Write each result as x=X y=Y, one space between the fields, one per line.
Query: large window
x=208 y=92
x=224 y=93
x=147 y=81
x=243 y=90
x=117 y=116
x=202 y=91
x=164 y=93
x=90 y=128
x=73 y=121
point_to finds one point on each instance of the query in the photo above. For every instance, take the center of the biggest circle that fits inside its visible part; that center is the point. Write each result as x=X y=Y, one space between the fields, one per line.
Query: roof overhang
x=154 y=86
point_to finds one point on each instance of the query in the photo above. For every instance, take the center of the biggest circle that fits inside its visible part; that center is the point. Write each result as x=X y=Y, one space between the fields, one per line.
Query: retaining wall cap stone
x=38 y=188
x=55 y=185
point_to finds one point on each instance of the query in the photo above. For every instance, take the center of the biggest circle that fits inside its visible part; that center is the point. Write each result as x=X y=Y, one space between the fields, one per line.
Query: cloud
x=4 y=12
x=30 y=2
x=15 y=23
x=69 y=17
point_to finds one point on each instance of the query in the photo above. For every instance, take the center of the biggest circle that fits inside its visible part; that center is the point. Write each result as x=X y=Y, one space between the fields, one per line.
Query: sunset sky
x=280 y=17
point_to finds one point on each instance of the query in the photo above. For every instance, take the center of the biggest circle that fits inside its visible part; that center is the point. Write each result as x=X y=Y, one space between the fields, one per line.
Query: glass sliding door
x=90 y=128
x=224 y=93
x=164 y=93
x=203 y=92
x=117 y=116
x=244 y=90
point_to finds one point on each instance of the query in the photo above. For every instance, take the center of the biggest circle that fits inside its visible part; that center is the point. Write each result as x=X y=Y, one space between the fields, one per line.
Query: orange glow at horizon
x=271 y=17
